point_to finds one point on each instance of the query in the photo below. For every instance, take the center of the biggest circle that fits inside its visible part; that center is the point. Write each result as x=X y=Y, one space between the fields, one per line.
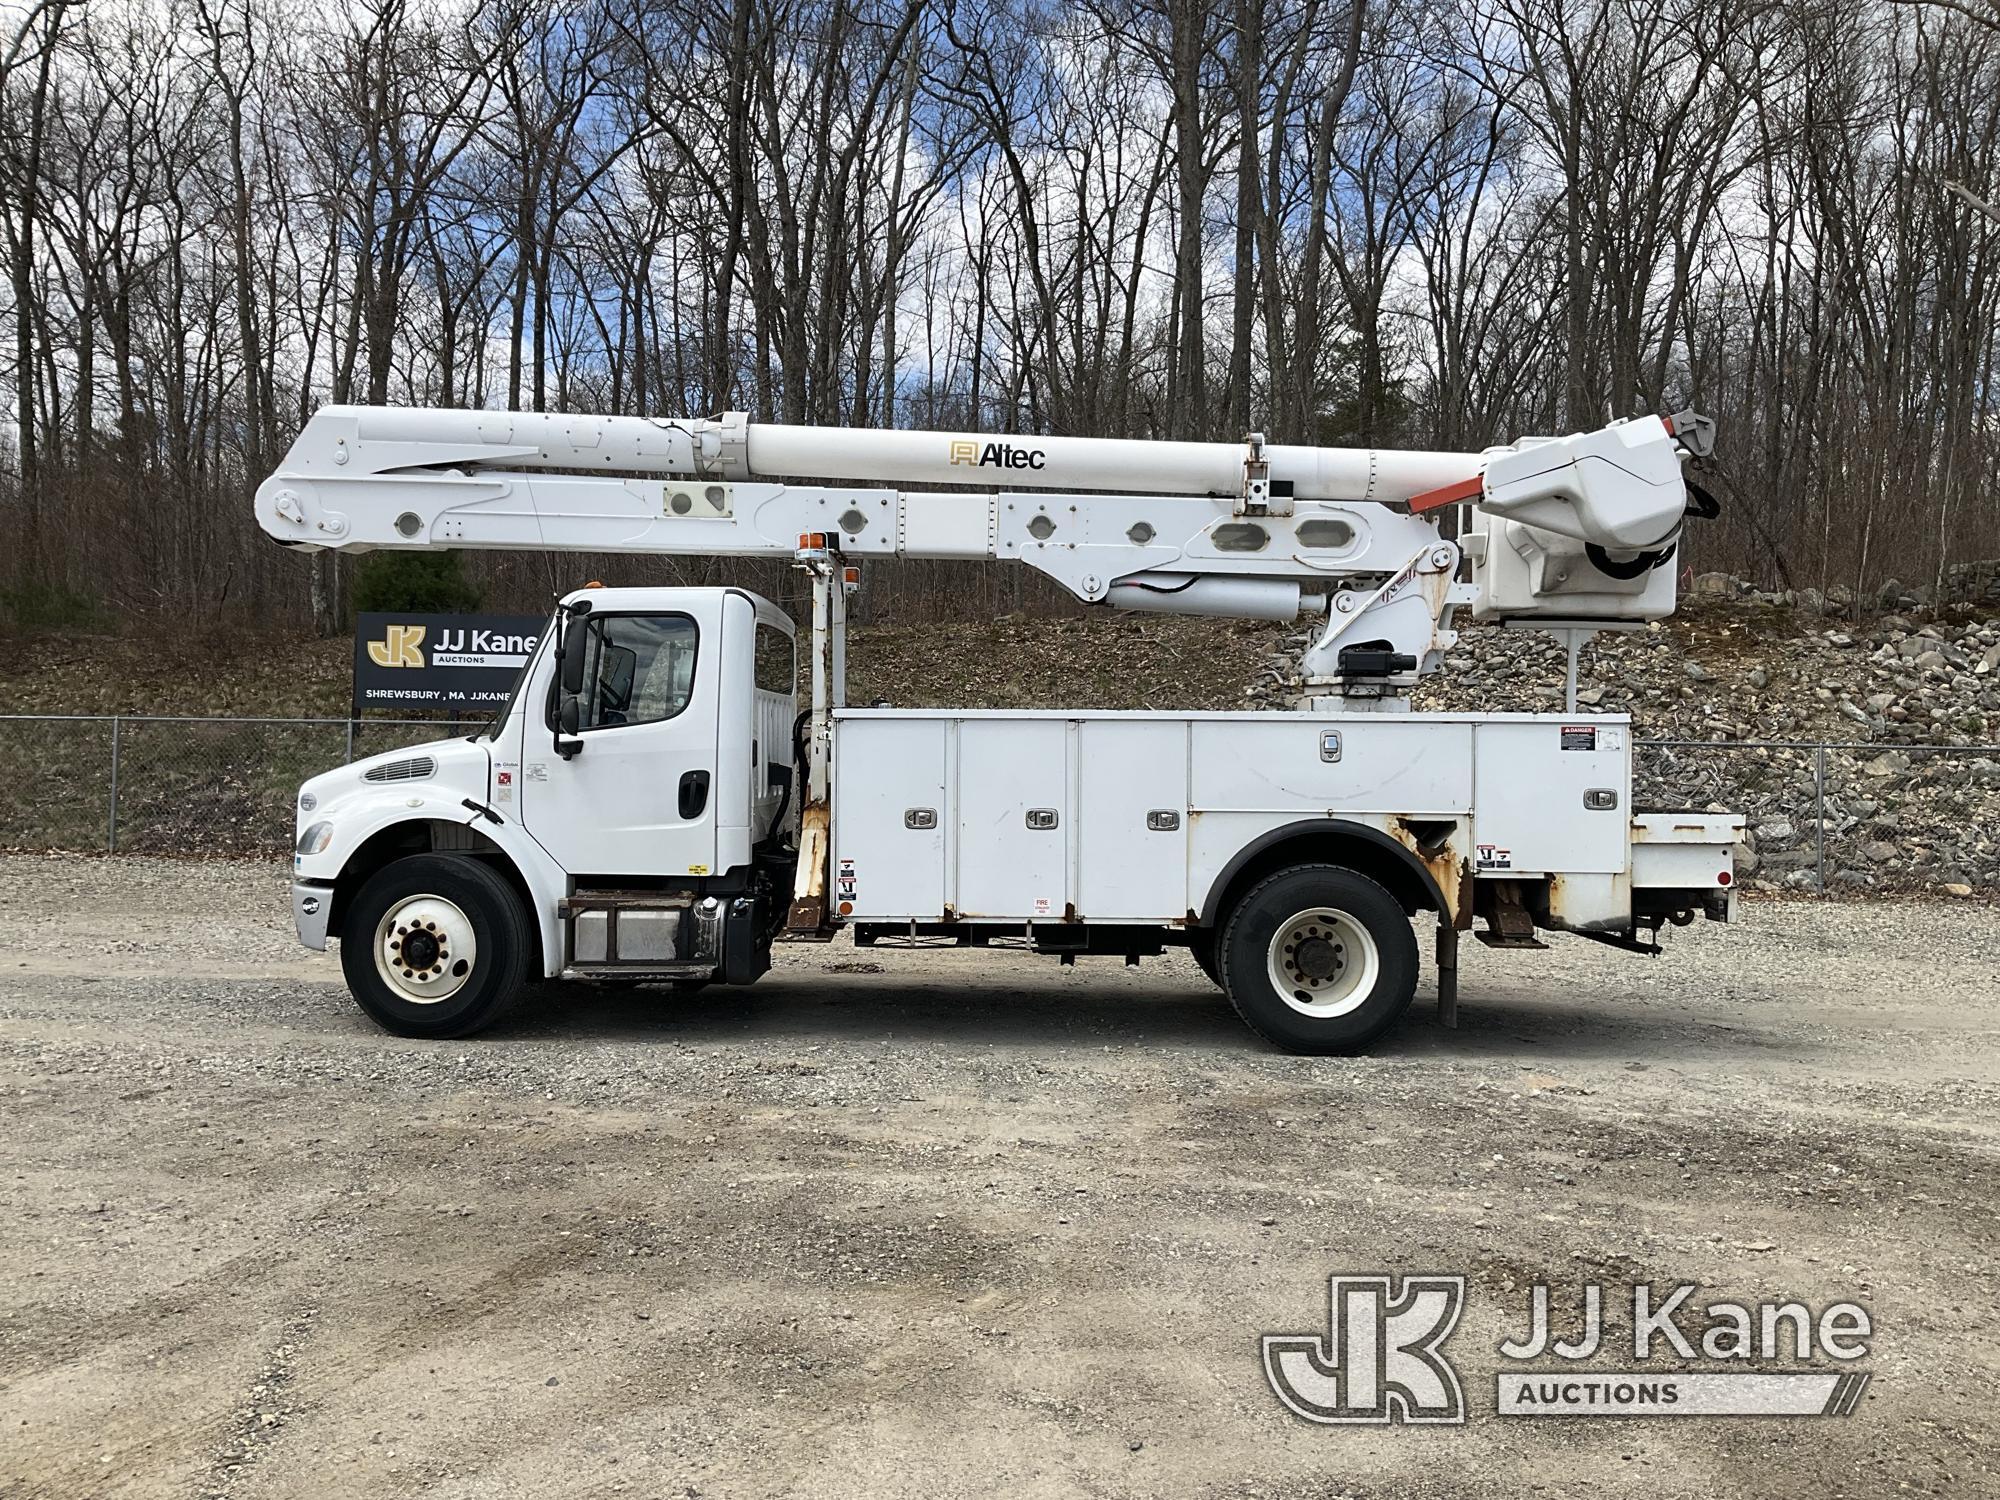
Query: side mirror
x=572 y=665
x=569 y=715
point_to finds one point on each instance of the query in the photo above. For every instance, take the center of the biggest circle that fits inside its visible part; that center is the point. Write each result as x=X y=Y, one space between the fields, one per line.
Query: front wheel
x=435 y=945
x=1319 y=959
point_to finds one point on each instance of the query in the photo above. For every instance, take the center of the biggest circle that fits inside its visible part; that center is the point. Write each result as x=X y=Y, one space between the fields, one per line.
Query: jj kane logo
x=995 y=455
x=1382 y=1357
x=400 y=646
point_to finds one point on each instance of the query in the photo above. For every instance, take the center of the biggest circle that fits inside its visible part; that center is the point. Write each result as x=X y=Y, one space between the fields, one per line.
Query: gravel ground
x=935 y=1223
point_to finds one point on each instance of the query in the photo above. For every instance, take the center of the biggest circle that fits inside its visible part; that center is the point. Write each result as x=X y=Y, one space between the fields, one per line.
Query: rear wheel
x=435 y=945
x=1318 y=959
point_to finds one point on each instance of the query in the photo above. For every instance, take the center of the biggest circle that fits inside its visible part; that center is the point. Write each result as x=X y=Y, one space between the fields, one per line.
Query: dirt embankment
x=1102 y=659
x=1733 y=668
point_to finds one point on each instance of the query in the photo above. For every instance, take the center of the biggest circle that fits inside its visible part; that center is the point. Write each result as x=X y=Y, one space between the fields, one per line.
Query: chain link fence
x=146 y=784
x=1831 y=817
x=1824 y=817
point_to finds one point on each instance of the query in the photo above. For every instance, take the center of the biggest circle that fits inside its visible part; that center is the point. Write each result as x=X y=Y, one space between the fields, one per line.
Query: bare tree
x=1438 y=222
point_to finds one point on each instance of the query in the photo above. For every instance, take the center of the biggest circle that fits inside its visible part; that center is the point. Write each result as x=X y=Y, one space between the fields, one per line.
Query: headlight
x=315 y=839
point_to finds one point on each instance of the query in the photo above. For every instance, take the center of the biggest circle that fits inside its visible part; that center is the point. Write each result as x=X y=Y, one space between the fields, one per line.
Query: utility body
x=653 y=806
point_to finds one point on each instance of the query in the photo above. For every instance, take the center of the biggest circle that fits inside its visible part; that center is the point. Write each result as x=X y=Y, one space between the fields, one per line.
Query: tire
x=465 y=914
x=1348 y=977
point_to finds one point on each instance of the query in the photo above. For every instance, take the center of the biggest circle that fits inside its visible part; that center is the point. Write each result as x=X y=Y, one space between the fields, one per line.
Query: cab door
x=638 y=795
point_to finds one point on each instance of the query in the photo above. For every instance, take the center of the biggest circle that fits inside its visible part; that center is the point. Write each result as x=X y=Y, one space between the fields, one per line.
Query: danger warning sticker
x=1493 y=857
x=1579 y=736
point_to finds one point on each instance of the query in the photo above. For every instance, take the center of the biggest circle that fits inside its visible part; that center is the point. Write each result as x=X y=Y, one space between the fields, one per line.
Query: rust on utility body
x=1434 y=843
x=808 y=909
x=1555 y=918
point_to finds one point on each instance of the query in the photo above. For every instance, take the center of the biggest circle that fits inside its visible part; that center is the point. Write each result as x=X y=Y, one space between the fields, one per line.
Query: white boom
x=1573 y=529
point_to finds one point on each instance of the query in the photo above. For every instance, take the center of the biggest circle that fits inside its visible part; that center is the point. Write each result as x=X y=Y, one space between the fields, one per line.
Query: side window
x=777 y=671
x=637 y=669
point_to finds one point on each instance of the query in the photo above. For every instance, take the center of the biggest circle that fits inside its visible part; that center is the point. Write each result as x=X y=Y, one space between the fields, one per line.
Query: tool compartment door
x=890 y=818
x=1014 y=826
x=1132 y=774
x=1530 y=777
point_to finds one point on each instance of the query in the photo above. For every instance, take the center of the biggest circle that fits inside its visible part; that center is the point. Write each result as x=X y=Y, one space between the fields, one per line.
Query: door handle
x=694 y=795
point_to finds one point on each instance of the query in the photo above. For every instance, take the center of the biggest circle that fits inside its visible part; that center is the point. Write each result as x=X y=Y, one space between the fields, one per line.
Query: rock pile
x=1745 y=687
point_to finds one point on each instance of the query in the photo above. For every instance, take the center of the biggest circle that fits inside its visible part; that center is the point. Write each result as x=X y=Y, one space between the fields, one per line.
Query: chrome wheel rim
x=1323 y=963
x=425 y=950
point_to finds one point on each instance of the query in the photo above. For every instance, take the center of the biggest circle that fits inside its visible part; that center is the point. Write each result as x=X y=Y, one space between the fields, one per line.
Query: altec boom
x=644 y=810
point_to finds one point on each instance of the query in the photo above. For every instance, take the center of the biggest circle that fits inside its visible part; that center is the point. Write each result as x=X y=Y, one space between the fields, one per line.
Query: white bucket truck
x=652 y=806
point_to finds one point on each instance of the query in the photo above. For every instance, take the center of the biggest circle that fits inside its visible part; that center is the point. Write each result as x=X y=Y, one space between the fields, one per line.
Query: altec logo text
x=996 y=455
x=1382 y=1360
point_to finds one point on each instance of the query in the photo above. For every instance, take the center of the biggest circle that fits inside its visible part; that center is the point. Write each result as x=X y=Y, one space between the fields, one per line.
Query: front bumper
x=312 y=907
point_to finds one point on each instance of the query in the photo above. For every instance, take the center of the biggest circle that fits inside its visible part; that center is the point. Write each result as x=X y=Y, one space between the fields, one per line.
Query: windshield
x=502 y=713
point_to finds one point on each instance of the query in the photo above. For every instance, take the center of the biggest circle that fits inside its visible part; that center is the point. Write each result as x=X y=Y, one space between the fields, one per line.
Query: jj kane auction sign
x=451 y=662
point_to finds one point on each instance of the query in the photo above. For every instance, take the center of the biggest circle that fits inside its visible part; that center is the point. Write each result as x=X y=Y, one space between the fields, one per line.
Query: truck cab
x=623 y=818
x=670 y=756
